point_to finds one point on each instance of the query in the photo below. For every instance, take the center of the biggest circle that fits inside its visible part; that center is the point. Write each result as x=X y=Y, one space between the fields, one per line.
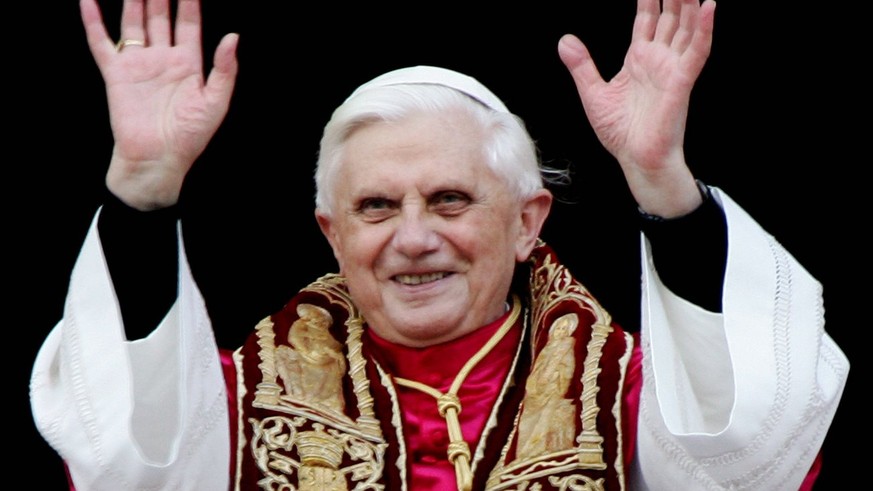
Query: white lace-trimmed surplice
x=743 y=399
x=738 y=400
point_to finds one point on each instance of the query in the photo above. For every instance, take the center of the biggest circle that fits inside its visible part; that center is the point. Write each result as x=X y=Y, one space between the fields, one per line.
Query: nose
x=415 y=234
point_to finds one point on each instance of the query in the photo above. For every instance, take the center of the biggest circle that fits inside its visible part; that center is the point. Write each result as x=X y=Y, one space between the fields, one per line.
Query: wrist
x=705 y=196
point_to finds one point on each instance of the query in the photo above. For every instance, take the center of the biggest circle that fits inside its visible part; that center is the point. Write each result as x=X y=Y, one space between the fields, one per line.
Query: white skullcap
x=423 y=74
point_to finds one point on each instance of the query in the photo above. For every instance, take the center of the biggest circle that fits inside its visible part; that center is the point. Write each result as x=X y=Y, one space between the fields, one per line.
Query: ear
x=329 y=230
x=534 y=211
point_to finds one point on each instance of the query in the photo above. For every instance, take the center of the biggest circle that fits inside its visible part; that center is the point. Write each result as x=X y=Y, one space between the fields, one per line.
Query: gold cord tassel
x=449 y=405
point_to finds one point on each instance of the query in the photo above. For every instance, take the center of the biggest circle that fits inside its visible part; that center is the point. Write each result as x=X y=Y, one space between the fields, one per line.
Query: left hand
x=640 y=114
x=163 y=108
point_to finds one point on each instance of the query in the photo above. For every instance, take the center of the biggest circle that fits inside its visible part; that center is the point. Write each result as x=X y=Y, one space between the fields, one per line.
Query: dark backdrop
x=773 y=122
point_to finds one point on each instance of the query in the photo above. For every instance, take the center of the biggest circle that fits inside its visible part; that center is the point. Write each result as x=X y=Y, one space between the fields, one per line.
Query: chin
x=429 y=335
x=415 y=333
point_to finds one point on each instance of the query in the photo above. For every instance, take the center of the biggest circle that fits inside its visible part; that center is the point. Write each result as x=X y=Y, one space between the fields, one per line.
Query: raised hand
x=162 y=111
x=640 y=114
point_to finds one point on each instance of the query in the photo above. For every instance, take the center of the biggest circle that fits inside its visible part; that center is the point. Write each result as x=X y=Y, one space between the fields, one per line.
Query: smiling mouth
x=417 y=279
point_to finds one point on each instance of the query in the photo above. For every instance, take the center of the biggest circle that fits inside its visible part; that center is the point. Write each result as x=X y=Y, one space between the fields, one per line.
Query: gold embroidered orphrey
x=544 y=426
x=298 y=430
x=309 y=419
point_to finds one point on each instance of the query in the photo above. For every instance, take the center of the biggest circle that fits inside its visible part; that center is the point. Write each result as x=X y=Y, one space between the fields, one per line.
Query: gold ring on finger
x=123 y=43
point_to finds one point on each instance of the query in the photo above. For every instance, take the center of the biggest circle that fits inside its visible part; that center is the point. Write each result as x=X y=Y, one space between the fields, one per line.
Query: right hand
x=640 y=113
x=162 y=111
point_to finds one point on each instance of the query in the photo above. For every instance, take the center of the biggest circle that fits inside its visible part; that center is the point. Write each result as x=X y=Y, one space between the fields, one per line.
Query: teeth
x=417 y=279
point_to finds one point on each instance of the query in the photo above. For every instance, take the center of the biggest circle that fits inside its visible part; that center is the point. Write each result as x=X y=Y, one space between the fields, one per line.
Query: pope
x=452 y=349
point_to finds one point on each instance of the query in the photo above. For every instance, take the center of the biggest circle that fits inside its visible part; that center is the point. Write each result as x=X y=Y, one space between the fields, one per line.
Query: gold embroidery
x=312 y=367
x=523 y=486
x=241 y=437
x=267 y=389
x=525 y=471
x=577 y=482
x=396 y=422
x=552 y=283
x=268 y=392
x=304 y=428
x=320 y=458
x=311 y=424
x=547 y=419
x=321 y=453
x=616 y=409
x=589 y=440
x=321 y=479
x=542 y=449
x=332 y=287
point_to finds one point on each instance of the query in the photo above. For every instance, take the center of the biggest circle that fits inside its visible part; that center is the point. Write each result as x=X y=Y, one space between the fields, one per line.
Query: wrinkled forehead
x=449 y=142
x=424 y=74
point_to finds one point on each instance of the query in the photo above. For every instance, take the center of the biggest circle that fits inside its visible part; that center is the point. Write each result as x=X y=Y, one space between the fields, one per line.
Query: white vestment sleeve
x=741 y=399
x=144 y=415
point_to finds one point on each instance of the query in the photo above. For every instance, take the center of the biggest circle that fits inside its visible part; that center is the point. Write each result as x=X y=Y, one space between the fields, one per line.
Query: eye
x=449 y=202
x=374 y=204
x=376 y=209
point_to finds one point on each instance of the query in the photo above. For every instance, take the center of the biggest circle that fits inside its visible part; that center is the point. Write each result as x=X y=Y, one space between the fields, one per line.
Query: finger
x=668 y=21
x=188 y=25
x=687 y=25
x=133 y=21
x=646 y=20
x=701 y=41
x=101 y=45
x=219 y=85
x=158 y=22
x=578 y=61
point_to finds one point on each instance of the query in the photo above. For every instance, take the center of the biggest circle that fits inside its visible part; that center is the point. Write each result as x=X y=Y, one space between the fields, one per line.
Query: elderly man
x=453 y=350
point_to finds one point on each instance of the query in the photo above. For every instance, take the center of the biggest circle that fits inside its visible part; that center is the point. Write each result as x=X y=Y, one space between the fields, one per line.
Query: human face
x=426 y=234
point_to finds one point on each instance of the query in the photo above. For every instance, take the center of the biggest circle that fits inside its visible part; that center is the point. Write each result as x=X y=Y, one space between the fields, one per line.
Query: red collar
x=437 y=365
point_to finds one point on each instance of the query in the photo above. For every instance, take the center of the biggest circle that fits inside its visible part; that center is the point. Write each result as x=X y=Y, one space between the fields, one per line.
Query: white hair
x=509 y=149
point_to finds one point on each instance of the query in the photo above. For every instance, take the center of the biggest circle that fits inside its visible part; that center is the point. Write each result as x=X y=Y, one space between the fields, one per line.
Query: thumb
x=575 y=56
x=222 y=78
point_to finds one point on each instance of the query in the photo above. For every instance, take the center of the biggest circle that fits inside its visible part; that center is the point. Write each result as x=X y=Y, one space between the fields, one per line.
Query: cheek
x=360 y=251
x=497 y=231
x=488 y=241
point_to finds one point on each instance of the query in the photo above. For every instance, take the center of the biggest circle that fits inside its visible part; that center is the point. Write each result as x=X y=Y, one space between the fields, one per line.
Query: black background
x=775 y=120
